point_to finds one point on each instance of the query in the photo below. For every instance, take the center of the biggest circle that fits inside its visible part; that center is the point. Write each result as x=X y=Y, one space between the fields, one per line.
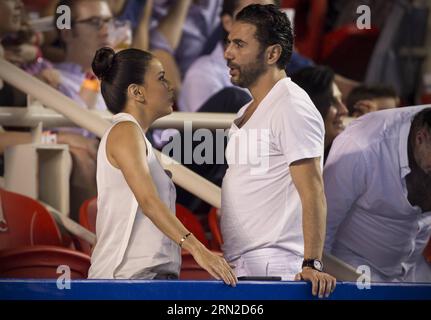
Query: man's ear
x=273 y=53
x=227 y=22
x=136 y=92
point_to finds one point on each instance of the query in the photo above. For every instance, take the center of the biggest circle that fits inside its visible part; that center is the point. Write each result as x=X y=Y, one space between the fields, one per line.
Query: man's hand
x=322 y=283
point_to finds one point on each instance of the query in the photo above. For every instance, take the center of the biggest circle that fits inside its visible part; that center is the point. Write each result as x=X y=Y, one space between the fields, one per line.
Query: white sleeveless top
x=129 y=245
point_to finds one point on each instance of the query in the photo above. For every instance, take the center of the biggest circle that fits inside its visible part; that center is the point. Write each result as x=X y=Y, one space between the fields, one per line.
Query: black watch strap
x=313 y=263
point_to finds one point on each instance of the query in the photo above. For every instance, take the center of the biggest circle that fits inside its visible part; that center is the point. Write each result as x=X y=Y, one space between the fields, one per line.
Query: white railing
x=35 y=113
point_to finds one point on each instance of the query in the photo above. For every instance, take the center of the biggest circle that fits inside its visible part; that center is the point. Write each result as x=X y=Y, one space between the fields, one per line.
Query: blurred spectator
x=178 y=30
x=23 y=48
x=89 y=32
x=378 y=191
x=319 y=83
x=364 y=99
x=198 y=19
x=10 y=23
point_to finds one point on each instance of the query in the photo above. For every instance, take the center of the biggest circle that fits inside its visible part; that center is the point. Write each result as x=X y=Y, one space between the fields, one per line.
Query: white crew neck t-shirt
x=261 y=208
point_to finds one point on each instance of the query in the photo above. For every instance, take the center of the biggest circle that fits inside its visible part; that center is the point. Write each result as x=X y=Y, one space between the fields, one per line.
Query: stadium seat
x=26 y=223
x=88 y=214
x=348 y=50
x=41 y=262
x=308 y=25
x=427 y=251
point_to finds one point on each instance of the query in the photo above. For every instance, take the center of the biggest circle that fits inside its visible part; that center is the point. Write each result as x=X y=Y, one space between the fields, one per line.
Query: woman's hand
x=215 y=264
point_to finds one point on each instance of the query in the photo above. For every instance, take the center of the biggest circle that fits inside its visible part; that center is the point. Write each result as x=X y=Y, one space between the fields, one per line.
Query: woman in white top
x=138 y=235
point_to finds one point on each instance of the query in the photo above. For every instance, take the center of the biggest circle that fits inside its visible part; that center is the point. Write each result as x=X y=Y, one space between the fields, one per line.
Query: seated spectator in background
x=10 y=22
x=89 y=32
x=378 y=190
x=82 y=149
x=90 y=24
x=364 y=99
x=21 y=46
x=320 y=85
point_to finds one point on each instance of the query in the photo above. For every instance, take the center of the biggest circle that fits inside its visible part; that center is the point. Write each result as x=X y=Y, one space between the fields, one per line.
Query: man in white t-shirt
x=273 y=203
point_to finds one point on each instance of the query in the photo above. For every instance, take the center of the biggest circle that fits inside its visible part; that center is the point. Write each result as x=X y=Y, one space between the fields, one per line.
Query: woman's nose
x=342 y=109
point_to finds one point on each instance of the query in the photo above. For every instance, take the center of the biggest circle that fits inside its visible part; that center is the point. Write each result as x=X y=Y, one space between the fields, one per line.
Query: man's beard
x=418 y=184
x=249 y=73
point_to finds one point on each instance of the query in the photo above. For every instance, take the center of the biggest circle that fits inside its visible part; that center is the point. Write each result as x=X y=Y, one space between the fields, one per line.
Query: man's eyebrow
x=236 y=41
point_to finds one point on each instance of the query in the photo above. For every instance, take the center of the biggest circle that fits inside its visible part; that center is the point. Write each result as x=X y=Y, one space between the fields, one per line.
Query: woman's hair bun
x=103 y=61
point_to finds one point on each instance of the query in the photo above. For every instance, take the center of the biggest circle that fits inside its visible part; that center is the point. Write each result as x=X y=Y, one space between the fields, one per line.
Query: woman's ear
x=136 y=92
x=273 y=53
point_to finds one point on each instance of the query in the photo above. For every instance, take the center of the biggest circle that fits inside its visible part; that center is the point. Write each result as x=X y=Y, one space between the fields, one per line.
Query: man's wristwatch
x=313 y=263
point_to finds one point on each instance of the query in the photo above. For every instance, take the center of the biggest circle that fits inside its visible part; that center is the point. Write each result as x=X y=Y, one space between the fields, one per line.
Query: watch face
x=318 y=265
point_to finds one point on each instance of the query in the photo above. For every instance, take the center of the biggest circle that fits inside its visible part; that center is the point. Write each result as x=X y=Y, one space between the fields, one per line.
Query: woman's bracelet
x=184 y=239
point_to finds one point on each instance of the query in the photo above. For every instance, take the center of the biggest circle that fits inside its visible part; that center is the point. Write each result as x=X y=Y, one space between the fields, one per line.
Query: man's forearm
x=314 y=225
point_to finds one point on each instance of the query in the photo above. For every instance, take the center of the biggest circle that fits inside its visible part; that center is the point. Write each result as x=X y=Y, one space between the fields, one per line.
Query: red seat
x=213 y=222
x=88 y=214
x=427 y=251
x=41 y=262
x=190 y=270
x=348 y=50
x=191 y=222
x=309 y=24
x=27 y=223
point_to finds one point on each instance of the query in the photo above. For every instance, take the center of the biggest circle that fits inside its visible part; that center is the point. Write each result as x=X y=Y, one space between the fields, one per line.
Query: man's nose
x=228 y=53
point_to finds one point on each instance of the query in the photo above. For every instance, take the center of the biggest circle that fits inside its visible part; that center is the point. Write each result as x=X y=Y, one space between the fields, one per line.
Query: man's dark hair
x=117 y=71
x=421 y=120
x=317 y=82
x=229 y=7
x=365 y=92
x=272 y=27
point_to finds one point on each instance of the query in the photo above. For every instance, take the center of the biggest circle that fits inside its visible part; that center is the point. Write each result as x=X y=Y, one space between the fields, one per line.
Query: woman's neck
x=145 y=119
